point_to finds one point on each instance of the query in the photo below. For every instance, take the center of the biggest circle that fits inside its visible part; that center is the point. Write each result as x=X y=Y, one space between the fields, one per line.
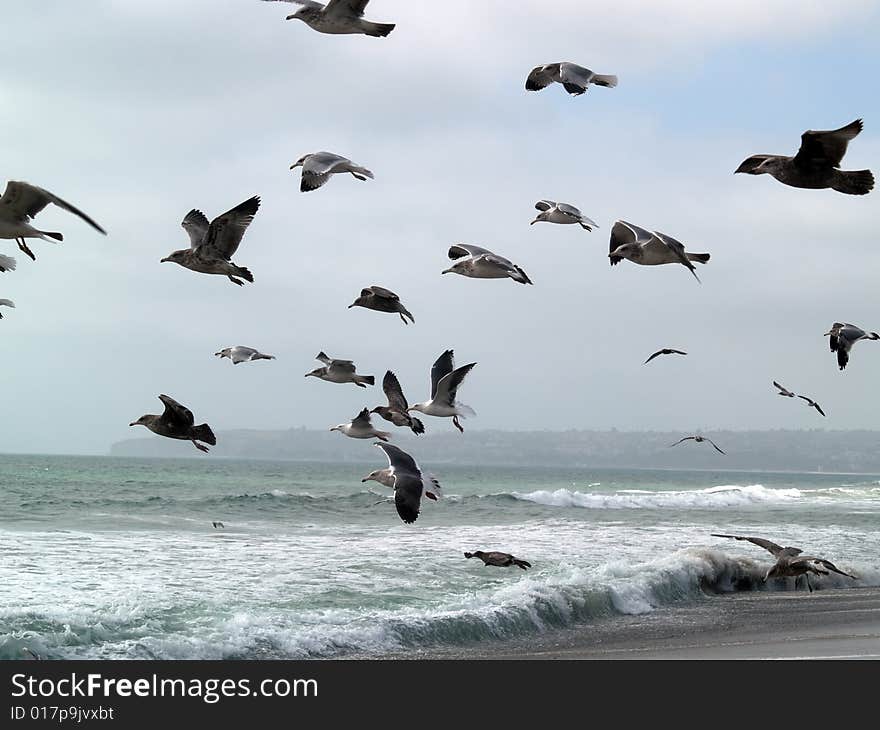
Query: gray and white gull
x=317 y=168
x=445 y=381
x=337 y=17
x=339 y=371
x=240 y=353
x=480 y=263
x=407 y=480
x=574 y=79
x=842 y=338
x=649 y=248
x=563 y=213
x=360 y=427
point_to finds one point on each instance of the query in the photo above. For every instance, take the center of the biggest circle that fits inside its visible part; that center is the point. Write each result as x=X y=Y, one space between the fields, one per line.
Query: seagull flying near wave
x=408 y=481
x=397 y=410
x=360 y=427
x=177 y=422
x=445 y=381
x=501 y=560
x=699 y=440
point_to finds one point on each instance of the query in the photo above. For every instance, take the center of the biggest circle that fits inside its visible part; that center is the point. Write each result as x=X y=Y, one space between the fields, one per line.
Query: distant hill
x=780 y=450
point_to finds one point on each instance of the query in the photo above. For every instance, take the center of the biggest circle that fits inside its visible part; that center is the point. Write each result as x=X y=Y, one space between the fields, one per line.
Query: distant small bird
x=213 y=245
x=240 y=353
x=552 y=212
x=842 y=338
x=317 y=168
x=20 y=203
x=664 y=351
x=648 y=248
x=699 y=440
x=406 y=478
x=360 y=427
x=502 y=560
x=790 y=562
x=340 y=371
x=6 y=303
x=445 y=381
x=218 y=524
x=816 y=164
x=480 y=263
x=177 y=422
x=7 y=263
x=574 y=79
x=812 y=404
x=783 y=391
x=397 y=410
x=337 y=17
x=382 y=300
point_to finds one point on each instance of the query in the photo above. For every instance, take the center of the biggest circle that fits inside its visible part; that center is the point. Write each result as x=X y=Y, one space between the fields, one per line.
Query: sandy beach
x=829 y=624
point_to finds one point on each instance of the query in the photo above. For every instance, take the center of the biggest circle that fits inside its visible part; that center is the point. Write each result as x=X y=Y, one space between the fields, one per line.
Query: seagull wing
x=175 y=412
x=394 y=393
x=574 y=78
x=342 y=366
x=362 y=419
x=23 y=201
x=659 y=352
x=824 y=563
x=460 y=250
x=318 y=167
x=783 y=390
x=399 y=461
x=776 y=550
x=225 y=232
x=381 y=292
x=440 y=369
x=714 y=444
x=678 y=249
x=686 y=438
x=541 y=77
x=821 y=149
x=812 y=404
x=346 y=8
x=544 y=205
x=448 y=384
x=623 y=233
x=196 y=225
x=407 y=496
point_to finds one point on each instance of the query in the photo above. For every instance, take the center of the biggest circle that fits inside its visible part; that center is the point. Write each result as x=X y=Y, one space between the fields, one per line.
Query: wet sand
x=828 y=624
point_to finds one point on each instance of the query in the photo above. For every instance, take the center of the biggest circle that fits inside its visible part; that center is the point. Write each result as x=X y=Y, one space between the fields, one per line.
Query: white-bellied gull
x=842 y=338
x=816 y=164
x=337 y=17
x=213 y=244
x=20 y=203
x=502 y=560
x=240 y=353
x=317 y=168
x=790 y=562
x=430 y=485
x=648 y=248
x=563 y=213
x=445 y=380
x=664 y=351
x=480 y=263
x=405 y=476
x=360 y=427
x=177 y=422
x=397 y=410
x=381 y=299
x=6 y=303
x=575 y=79
x=339 y=371
x=699 y=440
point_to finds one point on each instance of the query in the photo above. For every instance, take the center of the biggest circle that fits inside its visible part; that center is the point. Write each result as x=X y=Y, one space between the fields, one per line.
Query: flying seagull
x=177 y=422
x=337 y=17
x=6 y=303
x=382 y=300
x=816 y=164
x=408 y=481
x=552 y=212
x=664 y=351
x=812 y=404
x=575 y=79
x=502 y=560
x=319 y=166
x=445 y=381
x=790 y=562
x=699 y=440
x=361 y=428
x=339 y=371
x=648 y=248
x=842 y=338
x=213 y=245
x=217 y=524
x=783 y=391
x=18 y=206
x=240 y=353
x=397 y=410
x=7 y=263
x=480 y=263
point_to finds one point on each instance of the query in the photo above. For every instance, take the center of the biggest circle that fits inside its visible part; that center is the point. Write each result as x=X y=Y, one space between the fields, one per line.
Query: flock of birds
x=816 y=165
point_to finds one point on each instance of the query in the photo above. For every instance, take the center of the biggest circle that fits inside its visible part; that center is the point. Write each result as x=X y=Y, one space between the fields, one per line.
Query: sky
x=137 y=112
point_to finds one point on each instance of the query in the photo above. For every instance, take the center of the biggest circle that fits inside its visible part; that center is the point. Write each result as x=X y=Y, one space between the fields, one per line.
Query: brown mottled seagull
x=502 y=560
x=177 y=422
x=397 y=410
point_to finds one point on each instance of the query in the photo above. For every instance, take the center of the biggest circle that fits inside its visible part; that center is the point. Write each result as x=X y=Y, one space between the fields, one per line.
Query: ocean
x=117 y=558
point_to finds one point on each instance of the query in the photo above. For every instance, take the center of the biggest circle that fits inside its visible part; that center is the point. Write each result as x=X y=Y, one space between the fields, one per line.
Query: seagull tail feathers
x=859 y=182
x=7 y=263
x=464 y=410
x=244 y=274
x=700 y=258
x=417 y=426
x=378 y=30
x=604 y=80
x=53 y=235
x=204 y=433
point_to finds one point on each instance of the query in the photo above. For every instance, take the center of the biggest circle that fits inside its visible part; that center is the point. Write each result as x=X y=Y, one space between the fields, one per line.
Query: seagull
x=337 y=17
x=177 y=422
x=217 y=524
x=20 y=203
x=6 y=303
x=816 y=164
x=699 y=440
x=502 y=560
x=7 y=263
x=445 y=381
x=552 y=212
x=812 y=404
x=790 y=562
x=650 y=248
x=783 y=391
x=664 y=351
x=339 y=371
x=789 y=394
x=408 y=481
x=575 y=79
x=212 y=245
x=843 y=336
x=382 y=300
x=397 y=410
x=480 y=263
x=240 y=353
x=319 y=166
x=361 y=428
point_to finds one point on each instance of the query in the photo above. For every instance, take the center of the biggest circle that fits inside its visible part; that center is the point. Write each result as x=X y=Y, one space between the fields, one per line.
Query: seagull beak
x=133 y=423
x=446 y=271
x=533 y=222
x=162 y=261
x=350 y=306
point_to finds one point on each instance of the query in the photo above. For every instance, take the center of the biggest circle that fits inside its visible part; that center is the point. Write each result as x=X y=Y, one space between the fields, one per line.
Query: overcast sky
x=138 y=111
